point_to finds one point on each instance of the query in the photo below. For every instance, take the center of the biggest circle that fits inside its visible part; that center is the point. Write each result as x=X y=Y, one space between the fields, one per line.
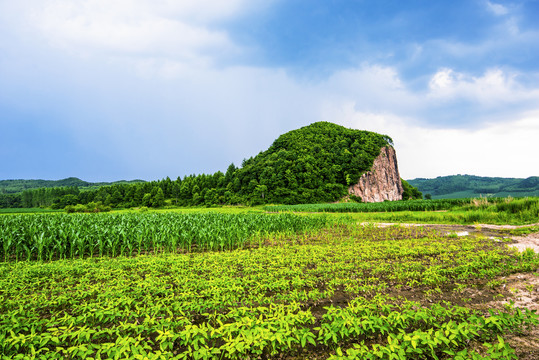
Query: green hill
x=460 y=186
x=17 y=186
x=313 y=164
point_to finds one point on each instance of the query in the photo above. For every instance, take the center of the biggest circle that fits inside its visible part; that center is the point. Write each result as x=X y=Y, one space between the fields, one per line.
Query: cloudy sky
x=122 y=89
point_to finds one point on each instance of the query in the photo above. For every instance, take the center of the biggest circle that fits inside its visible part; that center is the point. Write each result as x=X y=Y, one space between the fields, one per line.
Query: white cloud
x=442 y=80
x=372 y=87
x=137 y=31
x=496 y=9
x=494 y=88
x=505 y=149
x=451 y=98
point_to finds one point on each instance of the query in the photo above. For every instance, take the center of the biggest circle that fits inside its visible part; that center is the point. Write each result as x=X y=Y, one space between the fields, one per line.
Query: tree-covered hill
x=315 y=163
x=458 y=186
x=312 y=164
x=17 y=186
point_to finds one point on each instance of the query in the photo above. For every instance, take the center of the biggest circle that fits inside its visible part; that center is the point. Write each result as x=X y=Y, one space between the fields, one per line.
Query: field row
x=388 y=206
x=59 y=236
x=456 y=211
x=346 y=291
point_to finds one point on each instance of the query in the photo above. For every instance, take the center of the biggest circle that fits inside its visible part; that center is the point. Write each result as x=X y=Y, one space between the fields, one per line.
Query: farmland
x=42 y=237
x=456 y=211
x=248 y=284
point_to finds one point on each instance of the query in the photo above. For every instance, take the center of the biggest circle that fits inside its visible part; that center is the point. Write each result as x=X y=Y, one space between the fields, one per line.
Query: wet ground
x=495 y=232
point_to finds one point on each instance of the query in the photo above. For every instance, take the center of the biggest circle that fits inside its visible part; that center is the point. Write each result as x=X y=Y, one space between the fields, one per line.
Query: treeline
x=17 y=186
x=201 y=190
x=193 y=190
x=478 y=185
x=314 y=164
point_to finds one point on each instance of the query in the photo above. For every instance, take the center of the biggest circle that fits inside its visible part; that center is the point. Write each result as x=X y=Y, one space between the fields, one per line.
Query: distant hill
x=313 y=164
x=461 y=186
x=17 y=186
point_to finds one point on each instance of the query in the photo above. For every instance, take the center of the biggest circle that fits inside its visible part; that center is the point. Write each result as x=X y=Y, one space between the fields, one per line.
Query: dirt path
x=524 y=242
x=492 y=231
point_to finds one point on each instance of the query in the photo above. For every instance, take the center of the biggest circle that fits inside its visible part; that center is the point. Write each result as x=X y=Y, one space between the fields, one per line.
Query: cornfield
x=60 y=236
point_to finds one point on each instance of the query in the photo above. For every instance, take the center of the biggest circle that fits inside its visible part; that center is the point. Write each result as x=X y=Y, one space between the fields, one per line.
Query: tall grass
x=458 y=211
x=387 y=206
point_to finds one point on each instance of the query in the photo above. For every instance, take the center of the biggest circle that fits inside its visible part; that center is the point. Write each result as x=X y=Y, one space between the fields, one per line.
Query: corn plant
x=48 y=237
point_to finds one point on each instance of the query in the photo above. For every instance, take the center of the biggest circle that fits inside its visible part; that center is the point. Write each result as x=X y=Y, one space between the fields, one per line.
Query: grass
x=387 y=206
x=470 y=211
x=450 y=217
x=27 y=210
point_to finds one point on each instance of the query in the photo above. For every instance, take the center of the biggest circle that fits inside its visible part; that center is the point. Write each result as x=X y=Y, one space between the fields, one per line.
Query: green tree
x=158 y=200
x=116 y=198
x=410 y=192
x=147 y=200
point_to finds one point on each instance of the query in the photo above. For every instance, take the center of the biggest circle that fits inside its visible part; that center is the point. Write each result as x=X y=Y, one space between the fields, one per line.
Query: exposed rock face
x=383 y=182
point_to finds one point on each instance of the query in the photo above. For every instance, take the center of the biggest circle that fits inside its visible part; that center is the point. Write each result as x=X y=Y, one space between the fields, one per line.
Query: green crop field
x=45 y=237
x=455 y=211
x=245 y=284
x=388 y=206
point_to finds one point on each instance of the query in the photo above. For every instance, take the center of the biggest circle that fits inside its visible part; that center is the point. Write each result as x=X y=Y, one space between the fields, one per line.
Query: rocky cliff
x=383 y=182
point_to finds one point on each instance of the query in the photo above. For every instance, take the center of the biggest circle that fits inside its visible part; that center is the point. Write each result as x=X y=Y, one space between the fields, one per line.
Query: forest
x=466 y=186
x=17 y=186
x=312 y=164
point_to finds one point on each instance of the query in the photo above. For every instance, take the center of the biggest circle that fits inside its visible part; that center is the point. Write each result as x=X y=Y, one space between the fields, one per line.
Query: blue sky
x=110 y=90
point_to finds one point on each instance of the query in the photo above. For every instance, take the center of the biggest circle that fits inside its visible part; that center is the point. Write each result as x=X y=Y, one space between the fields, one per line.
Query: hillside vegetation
x=17 y=186
x=465 y=186
x=312 y=164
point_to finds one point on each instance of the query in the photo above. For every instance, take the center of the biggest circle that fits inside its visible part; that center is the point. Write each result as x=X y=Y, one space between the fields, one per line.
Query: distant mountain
x=460 y=186
x=17 y=186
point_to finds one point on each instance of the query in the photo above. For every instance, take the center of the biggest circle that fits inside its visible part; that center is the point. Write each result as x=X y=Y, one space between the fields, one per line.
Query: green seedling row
x=333 y=293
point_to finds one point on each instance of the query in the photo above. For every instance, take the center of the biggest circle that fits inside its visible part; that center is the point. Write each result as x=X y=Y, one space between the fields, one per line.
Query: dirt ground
x=523 y=242
x=494 y=232
x=522 y=289
x=525 y=294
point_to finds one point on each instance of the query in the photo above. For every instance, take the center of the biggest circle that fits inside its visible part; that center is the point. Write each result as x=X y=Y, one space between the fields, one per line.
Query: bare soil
x=495 y=232
x=524 y=290
x=521 y=289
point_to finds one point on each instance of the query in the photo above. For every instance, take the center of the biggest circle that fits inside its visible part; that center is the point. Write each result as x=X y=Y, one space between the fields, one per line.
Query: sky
x=108 y=90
